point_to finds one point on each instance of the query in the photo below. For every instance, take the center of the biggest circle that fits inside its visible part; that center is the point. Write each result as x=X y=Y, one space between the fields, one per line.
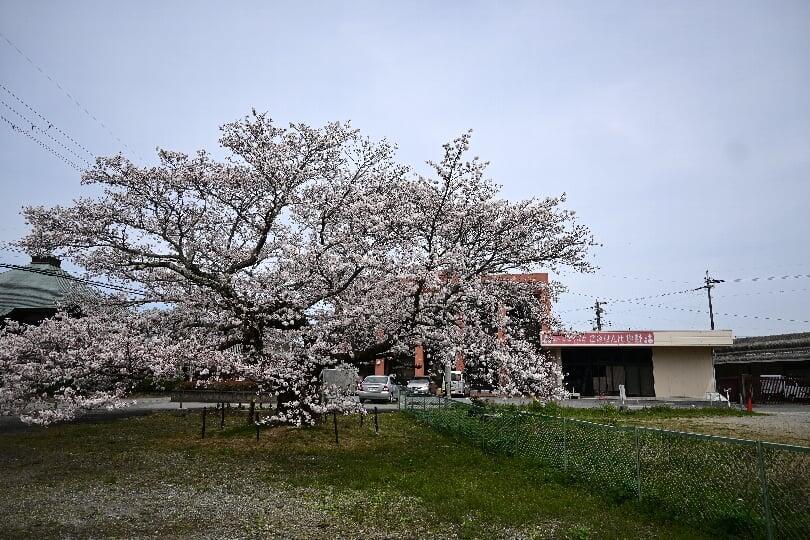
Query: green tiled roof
x=37 y=285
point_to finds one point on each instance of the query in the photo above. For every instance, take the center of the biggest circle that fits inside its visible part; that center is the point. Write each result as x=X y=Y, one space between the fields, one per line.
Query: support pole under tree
x=376 y=422
x=258 y=426
x=334 y=423
x=204 y=413
x=221 y=418
x=252 y=411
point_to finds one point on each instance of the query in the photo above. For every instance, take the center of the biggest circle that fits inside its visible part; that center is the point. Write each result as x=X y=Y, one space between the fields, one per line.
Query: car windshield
x=376 y=380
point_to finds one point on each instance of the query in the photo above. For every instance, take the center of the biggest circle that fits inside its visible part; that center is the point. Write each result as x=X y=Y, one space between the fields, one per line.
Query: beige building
x=649 y=363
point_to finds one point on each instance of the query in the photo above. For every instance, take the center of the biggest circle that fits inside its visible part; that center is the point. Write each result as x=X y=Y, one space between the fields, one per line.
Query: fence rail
x=724 y=484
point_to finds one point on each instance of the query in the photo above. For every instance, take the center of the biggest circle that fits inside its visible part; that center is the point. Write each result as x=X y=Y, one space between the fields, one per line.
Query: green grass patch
x=713 y=483
x=153 y=475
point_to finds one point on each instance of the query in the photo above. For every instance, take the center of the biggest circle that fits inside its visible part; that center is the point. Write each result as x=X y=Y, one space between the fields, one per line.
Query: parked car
x=458 y=385
x=419 y=386
x=378 y=388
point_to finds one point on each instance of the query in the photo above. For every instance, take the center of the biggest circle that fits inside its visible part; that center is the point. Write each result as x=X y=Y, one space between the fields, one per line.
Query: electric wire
x=44 y=146
x=79 y=105
x=735 y=315
x=65 y=275
x=43 y=131
x=48 y=122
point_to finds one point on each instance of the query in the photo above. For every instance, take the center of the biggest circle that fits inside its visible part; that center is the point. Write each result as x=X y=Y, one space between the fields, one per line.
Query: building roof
x=776 y=348
x=39 y=285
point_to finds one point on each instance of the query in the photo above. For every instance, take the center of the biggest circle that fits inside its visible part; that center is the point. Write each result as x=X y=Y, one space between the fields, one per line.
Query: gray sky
x=680 y=130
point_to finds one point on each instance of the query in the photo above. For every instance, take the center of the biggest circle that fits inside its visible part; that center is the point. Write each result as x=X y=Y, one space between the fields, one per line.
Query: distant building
x=771 y=368
x=31 y=293
x=648 y=363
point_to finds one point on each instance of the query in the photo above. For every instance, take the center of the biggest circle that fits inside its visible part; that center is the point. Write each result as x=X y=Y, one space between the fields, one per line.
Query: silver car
x=419 y=386
x=378 y=388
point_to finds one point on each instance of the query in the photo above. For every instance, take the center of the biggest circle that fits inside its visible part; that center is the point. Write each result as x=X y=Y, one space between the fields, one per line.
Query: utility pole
x=599 y=311
x=710 y=283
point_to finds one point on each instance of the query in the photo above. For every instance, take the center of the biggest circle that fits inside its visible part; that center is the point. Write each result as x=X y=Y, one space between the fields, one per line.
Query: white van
x=458 y=385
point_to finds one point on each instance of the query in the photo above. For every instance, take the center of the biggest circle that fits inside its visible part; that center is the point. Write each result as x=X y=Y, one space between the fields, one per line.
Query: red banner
x=630 y=337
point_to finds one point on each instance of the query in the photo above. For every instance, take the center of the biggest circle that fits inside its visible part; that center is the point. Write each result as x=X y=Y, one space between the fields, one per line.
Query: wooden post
x=334 y=422
x=376 y=422
x=180 y=393
x=204 y=412
x=222 y=418
x=252 y=412
x=257 y=427
x=361 y=419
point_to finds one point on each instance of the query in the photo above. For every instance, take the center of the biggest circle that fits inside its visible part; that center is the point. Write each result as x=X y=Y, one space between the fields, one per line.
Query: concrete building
x=769 y=368
x=649 y=363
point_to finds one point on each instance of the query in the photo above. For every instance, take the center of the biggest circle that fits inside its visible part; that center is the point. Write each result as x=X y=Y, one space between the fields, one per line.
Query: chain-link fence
x=733 y=486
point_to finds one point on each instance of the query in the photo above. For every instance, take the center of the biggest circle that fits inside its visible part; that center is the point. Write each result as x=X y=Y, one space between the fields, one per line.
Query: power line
x=14 y=127
x=736 y=315
x=770 y=278
x=759 y=293
x=44 y=131
x=65 y=275
x=70 y=96
x=47 y=122
x=622 y=300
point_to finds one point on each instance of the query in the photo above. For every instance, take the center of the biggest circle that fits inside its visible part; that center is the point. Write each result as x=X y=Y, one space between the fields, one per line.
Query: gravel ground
x=789 y=424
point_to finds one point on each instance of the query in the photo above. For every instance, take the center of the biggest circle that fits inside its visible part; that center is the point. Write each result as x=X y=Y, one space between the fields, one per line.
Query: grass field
x=152 y=476
x=725 y=486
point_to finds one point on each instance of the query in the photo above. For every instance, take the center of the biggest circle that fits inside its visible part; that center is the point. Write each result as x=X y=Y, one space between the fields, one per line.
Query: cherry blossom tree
x=66 y=365
x=305 y=249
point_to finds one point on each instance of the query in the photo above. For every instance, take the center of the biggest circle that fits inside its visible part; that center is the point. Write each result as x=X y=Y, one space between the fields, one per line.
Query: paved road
x=147 y=405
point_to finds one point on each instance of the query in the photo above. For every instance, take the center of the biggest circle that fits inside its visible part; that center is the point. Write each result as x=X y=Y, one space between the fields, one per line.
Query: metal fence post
x=763 y=486
x=638 y=464
x=565 y=445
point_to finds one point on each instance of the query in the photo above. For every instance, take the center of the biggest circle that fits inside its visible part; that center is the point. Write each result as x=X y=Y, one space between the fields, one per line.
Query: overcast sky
x=679 y=130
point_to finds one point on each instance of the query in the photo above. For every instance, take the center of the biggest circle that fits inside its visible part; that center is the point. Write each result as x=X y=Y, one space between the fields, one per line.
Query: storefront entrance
x=594 y=371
